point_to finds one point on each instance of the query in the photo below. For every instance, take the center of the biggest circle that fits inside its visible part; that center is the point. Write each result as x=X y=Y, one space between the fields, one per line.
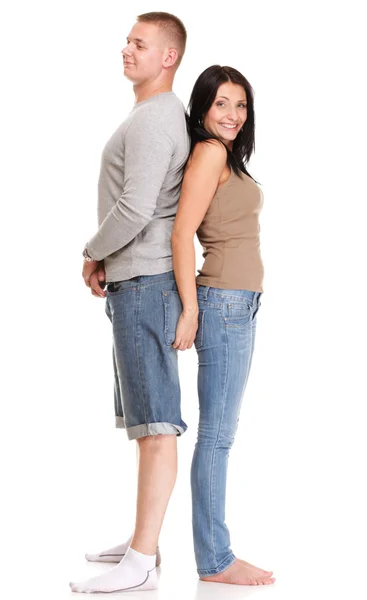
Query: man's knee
x=153 y=439
x=154 y=442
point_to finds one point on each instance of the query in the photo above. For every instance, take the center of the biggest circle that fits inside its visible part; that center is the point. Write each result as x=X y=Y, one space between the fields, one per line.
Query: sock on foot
x=136 y=571
x=116 y=554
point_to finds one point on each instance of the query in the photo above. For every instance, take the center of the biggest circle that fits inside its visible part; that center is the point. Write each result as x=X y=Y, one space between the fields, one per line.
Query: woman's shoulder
x=210 y=146
x=209 y=151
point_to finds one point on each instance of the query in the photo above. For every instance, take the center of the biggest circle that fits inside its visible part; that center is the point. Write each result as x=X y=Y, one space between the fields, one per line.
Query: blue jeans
x=144 y=312
x=225 y=344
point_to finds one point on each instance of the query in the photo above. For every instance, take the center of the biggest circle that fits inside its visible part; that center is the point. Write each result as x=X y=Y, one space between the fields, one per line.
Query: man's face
x=144 y=53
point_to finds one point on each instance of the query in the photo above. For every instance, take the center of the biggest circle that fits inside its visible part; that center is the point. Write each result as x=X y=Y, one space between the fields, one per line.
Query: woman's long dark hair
x=203 y=96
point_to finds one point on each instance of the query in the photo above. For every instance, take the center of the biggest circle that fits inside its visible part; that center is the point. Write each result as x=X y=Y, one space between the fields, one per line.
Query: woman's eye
x=220 y=104
x=243 y=105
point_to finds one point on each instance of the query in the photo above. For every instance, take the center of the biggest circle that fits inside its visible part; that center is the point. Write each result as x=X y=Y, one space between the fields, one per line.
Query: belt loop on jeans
x=205 y=292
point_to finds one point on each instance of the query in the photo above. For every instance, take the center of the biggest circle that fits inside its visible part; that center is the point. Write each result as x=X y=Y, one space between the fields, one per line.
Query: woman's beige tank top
x=229 y=234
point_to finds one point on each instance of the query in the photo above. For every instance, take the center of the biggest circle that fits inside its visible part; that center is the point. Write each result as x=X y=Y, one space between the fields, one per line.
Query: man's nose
x=125 y=51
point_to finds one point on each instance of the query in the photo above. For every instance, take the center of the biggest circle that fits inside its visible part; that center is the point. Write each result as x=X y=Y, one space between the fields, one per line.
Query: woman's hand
x=186 y=329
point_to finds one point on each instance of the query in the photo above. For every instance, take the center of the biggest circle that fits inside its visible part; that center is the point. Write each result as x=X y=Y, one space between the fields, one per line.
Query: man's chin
x=129 y=76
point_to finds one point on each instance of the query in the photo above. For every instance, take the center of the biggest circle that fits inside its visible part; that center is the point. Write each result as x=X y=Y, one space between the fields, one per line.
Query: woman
x=221 y=203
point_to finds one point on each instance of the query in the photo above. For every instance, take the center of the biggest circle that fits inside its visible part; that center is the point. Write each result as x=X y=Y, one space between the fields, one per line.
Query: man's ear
x=170 y=58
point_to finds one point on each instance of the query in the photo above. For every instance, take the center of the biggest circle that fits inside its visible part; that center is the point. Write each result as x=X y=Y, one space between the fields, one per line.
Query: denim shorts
x=144 y=312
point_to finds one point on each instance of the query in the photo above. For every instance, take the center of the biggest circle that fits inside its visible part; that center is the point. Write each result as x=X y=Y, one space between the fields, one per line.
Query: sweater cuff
x=94 y=253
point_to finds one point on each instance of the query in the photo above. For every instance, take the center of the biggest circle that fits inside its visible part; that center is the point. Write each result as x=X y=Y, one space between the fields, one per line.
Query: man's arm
x=148 y=152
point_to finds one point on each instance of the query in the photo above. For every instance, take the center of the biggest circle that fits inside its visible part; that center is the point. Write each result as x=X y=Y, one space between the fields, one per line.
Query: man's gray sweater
x=138 y=189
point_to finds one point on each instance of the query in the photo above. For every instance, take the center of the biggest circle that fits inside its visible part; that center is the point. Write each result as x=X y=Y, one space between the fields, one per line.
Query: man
x=139 y=185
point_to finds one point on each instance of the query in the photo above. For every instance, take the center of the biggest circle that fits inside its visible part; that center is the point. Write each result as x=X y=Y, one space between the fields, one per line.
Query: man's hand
x=186 y=329
x=95 y=277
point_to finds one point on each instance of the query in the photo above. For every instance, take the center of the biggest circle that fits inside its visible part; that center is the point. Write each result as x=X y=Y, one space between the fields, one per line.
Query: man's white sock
x=136 y=571
x=116 y=554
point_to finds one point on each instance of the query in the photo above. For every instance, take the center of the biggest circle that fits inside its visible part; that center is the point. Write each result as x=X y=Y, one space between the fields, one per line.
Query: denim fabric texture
x=225 y=344
x=144 y=312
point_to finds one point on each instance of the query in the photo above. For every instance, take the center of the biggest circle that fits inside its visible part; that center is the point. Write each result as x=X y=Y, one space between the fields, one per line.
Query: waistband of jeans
x=143 y=280
x=206 y=292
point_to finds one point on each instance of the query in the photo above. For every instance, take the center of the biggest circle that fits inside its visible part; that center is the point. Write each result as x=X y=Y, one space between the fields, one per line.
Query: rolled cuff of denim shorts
x=146 y=429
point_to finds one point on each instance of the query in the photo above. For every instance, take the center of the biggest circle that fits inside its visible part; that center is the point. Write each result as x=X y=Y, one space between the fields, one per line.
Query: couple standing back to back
x=144 y=252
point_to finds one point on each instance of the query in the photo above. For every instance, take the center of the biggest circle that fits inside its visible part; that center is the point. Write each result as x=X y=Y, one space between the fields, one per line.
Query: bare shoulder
x=210 y=148
x=209 y=152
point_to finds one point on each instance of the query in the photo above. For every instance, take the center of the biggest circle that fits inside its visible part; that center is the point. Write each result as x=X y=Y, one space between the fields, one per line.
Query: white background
x=296 y=491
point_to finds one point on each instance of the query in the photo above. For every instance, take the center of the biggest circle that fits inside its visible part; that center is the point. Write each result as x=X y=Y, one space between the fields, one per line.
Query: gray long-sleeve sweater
x=138 y=189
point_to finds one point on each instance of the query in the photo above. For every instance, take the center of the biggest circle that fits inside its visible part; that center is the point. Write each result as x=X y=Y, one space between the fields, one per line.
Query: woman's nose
x=232 y=115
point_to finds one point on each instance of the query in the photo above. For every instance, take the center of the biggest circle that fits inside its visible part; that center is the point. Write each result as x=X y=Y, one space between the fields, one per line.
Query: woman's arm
x=198 y=188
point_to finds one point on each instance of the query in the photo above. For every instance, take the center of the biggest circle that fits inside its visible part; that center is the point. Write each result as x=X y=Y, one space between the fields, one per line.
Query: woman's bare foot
x=256 y=569
x=241 y=573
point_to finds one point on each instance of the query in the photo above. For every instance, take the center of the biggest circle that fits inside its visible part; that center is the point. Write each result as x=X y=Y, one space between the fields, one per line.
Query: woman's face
x=228 y=113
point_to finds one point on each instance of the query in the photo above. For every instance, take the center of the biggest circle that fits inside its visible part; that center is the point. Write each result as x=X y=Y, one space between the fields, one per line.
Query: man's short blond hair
x=172 y=27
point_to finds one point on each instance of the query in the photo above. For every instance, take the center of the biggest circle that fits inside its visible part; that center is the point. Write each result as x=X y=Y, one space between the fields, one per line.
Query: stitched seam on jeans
x=168 y=315
x=137 y=349
x=147 y=430
x=108 y=310
x=119 y=412
x=253 y=333
x=206 y=303
x=229 y=297
x=202 y=327
x=141 y=286
x=165 y=318
x=225 y=383
x=199 y=342
x=227 y=562
x=117 y=387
